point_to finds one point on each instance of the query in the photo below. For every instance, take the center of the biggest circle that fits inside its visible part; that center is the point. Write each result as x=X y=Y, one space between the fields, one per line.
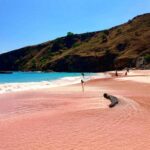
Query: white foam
x=15 y=87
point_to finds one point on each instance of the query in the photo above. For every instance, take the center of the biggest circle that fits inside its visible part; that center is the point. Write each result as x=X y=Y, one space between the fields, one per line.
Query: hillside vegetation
x=119 y=47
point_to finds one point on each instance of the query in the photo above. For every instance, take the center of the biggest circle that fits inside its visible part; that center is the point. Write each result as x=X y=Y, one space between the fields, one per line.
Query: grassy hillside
x=117 y=47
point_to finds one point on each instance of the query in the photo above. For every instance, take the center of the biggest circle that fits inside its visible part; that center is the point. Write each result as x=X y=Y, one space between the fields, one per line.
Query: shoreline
x=65 y=81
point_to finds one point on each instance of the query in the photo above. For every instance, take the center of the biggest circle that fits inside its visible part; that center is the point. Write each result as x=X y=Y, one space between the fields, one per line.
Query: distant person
x=82 y=84
x=82 y=75
x=127 y=70
x=116 y=73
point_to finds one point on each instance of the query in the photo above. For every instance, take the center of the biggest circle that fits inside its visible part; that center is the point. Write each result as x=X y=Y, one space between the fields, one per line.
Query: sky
x=29 y=22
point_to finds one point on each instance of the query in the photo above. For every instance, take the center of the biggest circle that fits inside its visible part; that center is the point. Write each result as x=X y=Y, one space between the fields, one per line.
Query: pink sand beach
x=65 y=118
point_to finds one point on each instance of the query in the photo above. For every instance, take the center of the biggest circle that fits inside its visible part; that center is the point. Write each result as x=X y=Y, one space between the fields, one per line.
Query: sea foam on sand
x=15 y=87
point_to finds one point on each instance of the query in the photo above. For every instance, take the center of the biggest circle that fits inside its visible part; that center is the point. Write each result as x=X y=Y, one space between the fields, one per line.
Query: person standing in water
x=82 y=75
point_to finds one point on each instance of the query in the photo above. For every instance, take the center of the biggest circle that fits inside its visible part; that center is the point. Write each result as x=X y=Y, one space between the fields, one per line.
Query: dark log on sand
x=114 y=100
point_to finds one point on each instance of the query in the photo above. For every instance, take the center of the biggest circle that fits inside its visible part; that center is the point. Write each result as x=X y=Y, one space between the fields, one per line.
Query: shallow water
x=17 y=77
x=21 y=81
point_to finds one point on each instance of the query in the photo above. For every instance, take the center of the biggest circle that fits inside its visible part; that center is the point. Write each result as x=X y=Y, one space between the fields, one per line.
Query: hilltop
x=126 y=45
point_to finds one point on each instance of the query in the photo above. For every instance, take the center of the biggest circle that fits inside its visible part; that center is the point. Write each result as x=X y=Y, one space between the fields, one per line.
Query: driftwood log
x=114 y=100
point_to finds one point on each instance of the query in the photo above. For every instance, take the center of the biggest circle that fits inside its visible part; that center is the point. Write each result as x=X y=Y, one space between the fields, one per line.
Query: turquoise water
x=19 y=77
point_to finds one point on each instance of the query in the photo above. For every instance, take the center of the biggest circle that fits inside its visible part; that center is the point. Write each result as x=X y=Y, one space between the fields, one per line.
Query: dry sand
x=66 y=119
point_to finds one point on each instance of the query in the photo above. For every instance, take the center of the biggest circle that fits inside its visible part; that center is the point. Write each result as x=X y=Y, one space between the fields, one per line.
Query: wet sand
x=64 y=118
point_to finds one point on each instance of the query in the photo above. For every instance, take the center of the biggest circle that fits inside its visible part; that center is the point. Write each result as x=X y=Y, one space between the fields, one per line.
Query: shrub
x=70 y=33
x=106 y=32
x=147 y=58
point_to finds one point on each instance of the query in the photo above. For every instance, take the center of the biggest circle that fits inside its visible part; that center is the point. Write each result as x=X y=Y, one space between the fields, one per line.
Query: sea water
x=20 y=77
x=19 y=81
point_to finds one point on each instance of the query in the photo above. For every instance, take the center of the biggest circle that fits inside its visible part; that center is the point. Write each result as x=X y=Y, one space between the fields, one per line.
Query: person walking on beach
x=82 y=84
x=116 y=73
x=127 y=70
x=82 y=81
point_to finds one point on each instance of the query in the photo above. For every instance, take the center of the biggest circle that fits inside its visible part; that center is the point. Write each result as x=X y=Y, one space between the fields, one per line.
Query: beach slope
x=65 y=118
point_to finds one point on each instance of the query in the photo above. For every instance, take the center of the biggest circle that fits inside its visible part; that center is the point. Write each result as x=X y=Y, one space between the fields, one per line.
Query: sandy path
x=67 y=119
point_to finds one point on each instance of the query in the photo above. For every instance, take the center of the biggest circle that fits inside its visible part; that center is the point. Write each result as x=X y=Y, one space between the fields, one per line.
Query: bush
x=119 y=31
x=147 y=58
x=106 y=32
x=70 y=34
x=104 y=38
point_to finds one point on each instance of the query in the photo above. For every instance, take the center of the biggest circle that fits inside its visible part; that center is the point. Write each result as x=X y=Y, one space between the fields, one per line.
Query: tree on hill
x=70 y=33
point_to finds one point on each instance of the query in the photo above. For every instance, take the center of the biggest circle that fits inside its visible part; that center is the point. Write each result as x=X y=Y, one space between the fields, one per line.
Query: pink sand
x=66 y=119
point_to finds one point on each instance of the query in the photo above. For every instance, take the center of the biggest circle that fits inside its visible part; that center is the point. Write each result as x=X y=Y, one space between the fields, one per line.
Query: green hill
x=118 y=47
